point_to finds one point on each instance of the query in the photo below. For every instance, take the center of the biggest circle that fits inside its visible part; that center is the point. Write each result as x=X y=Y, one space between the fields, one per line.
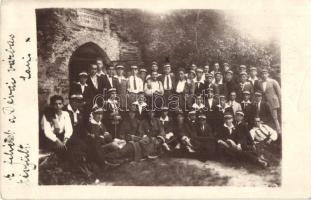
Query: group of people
x=112 y=118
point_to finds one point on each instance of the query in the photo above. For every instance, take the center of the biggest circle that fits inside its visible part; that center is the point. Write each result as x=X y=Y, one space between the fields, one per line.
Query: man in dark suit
x=253 y=79
x=81 y=86
x=244 y=85
x=229 y=83
x=199 y=84
x=247 y=107
x=261 y=109
x=169 y=83
x=109 y=81
x=210 y=103
x=208 y=83
x=95 y=87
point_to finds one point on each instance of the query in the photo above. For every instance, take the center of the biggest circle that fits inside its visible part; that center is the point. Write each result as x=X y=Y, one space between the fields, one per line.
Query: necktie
x=135 y=86
x=167 y=83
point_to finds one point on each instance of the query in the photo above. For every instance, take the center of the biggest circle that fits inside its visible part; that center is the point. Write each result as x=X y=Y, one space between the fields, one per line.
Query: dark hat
x=243 y=73
x=246 y=92
x=119 y=67
x=258 y=93
x=242 y=66
x=82 y=74
x=143 y=70
x=239 y=112
x=134 y=67
x=229 y=71
x=112 y=90
x=76 y=96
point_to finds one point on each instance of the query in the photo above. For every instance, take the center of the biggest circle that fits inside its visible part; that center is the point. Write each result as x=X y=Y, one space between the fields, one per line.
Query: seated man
x=56 y=125
x=129 y=126
x=218 y=112
x=262 y=135
x=99 y=140
x=168 y=126
x=203 y=139
x=185 y=129
x=140 y=106
x=152 y=128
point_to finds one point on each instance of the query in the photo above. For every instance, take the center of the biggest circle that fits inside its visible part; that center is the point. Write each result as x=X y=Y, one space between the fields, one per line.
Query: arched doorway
x=83 y=56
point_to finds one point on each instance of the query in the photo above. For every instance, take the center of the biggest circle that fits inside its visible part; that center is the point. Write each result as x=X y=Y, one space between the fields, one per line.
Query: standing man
x=253 y=79
x=199 y=84
x=229 y=83
x=101 y=70
x=181 y=88
x=168 y=82
x=219 y=83
x=209 y=83
x=81 y=86
x=154 y=68
x=135 y=85
x=233 y=103
x=272 y=93
x=154 y=91
x=143 y=74
x=247 y=107
x=261 y=108
x=244 y=85
x=122 y=87
x=95 y=86
x=109 y=81
x=216 y=68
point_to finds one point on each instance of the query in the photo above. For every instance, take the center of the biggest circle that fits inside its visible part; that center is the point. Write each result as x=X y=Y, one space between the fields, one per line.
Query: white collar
x=248 y=101
x=112 y=101
x=100 y=73
x=195 y=105
x=226 y=106
x=70 y=108
x=92 y=120
x=81 y=84
x=250 y=78
x=166 y=119
x=231 y=127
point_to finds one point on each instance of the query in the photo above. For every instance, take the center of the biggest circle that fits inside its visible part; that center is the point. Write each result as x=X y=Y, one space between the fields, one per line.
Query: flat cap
x=199 y=70
x=243 y=66
x=239 y=112
x=243 y=73
x=246 y=92
x=112 y=90
x=82 y=74
x=143 y=70
x=134 y=67
x=209 y=75
x=228 y=115
x=119 y=67
x=76 y=96
x=202 y=116
x=258 y=93
x=229 y=71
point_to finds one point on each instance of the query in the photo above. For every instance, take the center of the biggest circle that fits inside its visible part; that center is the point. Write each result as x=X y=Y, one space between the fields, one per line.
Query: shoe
x=166 y=147
x=263 y=163
x=177 y=146
x=190 y=150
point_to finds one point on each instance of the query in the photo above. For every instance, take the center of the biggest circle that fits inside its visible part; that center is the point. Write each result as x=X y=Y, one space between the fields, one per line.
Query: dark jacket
x=264 y=112
x=229 y=87
x=151 y=128
x=129 y=127
x=92 y=91
x=107 y=85
x=173 y=79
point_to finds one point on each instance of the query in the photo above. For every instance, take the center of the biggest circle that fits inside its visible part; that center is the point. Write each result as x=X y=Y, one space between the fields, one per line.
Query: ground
x=172 y=170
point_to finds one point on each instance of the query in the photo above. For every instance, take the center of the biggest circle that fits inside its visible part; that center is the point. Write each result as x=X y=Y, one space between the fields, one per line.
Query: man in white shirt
x=180 y=88
x=135 y=85
x=199 y=82
x=169 y=83
x=253 y=79
x=56 y=124
x=154 y=91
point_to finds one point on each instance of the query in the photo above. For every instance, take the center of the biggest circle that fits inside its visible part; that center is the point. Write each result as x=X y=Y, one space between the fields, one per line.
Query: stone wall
x=59 y=36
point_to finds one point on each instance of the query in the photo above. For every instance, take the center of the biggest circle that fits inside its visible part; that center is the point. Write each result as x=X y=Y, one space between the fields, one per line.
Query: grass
x=168 y=171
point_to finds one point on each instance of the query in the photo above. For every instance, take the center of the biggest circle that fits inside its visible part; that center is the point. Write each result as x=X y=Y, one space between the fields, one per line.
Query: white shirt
x=110 y=81
x=114 y=104
x=235 y=106
x=120 y=78
x=166 y=119
x=82 y=86
x=180 y=86
x=230 y=128
x=169 y=79
x=75 y=114
x=210 y=102
x=62 y=122
x=197 y=106
x=94 y=81
x=264 y=85
x=155 y=86
x=139 y=84
x=223 y=109
x=140 y=106
x=260 y=133
x=253 y=80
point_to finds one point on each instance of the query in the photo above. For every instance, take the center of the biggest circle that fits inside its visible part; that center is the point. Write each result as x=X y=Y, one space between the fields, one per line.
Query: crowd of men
x=112 y=117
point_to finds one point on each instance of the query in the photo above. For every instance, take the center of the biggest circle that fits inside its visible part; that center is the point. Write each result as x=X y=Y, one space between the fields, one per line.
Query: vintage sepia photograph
x=159 y=97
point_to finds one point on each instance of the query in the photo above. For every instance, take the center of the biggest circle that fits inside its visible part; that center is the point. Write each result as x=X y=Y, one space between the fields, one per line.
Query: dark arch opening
x=83 y=56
